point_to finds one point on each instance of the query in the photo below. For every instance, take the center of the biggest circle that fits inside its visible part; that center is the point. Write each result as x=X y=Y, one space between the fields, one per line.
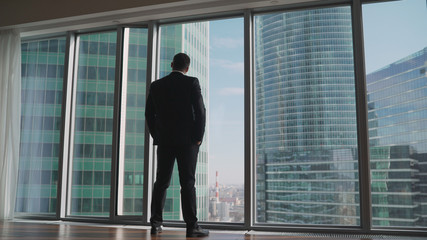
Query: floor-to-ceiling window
x=216 y=52
x=306 y=156
x=132 y=122
x=90 y=171
x=42 y=80
x=305 y=118
x=396 y=66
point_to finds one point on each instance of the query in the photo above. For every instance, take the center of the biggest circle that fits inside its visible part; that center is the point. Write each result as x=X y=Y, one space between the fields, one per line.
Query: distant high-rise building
x=41 y=84
x=397 y=105
x=306 y=133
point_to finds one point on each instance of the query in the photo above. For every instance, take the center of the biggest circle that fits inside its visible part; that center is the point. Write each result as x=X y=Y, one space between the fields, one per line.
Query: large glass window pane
x=93 y=121
x=216 y=52
x=131 y=163
x=42 y=80
x=396 y=63
x=305 y=118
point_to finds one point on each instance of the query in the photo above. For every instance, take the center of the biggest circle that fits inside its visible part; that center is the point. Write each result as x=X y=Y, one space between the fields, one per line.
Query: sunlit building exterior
x=397 y=95
x=306 y=135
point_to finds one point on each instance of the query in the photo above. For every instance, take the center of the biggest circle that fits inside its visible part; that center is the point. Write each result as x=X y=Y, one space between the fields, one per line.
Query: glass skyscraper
x=306 y=133
x=91 y=142
x=42 y=78
x=397 y=98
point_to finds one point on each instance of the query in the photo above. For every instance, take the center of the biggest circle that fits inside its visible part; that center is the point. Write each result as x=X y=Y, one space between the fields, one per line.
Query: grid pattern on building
x=397 y=98
x=42 y=80
x=92 y=145
x=306 y=135
x=135 y=122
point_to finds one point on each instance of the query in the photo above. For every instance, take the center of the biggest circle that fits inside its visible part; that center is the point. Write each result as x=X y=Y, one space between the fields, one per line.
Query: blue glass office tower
x=397 y=97
x=306 y=136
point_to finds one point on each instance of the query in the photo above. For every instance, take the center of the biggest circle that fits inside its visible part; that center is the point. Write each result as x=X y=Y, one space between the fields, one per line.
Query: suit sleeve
x=199 y=110
x=150 y=115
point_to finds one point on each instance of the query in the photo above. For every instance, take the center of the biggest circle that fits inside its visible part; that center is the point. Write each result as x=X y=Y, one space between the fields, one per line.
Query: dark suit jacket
x=174 y=111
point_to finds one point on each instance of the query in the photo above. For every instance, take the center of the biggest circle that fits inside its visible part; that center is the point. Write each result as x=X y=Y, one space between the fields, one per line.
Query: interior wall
x=18 y=12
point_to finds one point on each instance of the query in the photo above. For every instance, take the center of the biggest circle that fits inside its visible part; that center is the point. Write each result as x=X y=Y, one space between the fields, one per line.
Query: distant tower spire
x=217 y=188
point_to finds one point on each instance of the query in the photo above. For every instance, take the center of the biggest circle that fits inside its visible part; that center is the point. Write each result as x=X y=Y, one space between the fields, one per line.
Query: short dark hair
x=181 y=61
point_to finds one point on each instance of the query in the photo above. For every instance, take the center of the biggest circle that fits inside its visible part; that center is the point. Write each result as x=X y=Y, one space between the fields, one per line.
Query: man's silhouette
x=176 y=118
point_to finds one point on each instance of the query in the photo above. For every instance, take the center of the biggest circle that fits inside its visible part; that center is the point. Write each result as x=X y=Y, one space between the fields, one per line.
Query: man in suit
x=176 y=118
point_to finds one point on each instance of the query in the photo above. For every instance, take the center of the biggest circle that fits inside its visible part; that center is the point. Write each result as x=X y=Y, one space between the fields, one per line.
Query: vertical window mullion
x=248 y=119
x=122 y=116
x=72 y=74
x=64 y=153
x=362 y=118
x=116 y=126
x=152 y=63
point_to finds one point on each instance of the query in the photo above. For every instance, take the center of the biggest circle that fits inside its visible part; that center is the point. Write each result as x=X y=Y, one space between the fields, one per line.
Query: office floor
x=36 y=230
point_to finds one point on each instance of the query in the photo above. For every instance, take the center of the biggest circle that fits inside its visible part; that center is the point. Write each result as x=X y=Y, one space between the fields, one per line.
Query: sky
x=392 y=31
x=226 y=110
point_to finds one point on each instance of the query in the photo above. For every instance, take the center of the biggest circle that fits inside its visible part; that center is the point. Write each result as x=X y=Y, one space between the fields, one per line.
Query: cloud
x=231 y=91
x=227 y=42
x=227 y=64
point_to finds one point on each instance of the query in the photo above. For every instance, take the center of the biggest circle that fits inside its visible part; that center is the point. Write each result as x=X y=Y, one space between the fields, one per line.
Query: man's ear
x=186 y=70
x=172 y=65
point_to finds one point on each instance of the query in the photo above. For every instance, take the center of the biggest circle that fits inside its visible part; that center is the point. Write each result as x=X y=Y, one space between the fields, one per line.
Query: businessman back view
x=176 y=118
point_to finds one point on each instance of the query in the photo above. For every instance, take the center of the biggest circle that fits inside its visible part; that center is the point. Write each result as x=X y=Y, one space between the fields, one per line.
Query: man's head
x=181 y=62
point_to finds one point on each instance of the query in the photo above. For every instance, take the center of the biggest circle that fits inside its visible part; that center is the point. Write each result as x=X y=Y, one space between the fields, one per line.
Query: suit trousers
x=186 y=157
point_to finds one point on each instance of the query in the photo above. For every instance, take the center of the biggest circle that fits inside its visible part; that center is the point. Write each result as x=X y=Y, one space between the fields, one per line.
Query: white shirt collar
x=178 y=71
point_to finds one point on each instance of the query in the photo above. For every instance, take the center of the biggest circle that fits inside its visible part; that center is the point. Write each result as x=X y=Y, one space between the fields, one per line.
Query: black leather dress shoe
x=155 y=230
x=197 y=232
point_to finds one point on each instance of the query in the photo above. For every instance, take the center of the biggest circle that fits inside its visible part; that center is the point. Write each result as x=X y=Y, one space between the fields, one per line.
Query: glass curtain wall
x=42 y=80
x=396 y=64
x=305 y=118
x=216 y=52
x=93 y=125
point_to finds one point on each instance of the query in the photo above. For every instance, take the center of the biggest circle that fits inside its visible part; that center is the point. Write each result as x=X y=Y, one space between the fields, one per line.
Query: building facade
x=306 y=133
x=306 y=138
x=92 y=125
x=397 y=98
x=42 y=82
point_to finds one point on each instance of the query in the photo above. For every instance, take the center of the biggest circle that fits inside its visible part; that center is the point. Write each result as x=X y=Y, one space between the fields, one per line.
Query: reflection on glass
x=131 y=164
x=42 y=78
x=306 y=135
x=91 y=163
x=216 y=52
x=396 y=57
